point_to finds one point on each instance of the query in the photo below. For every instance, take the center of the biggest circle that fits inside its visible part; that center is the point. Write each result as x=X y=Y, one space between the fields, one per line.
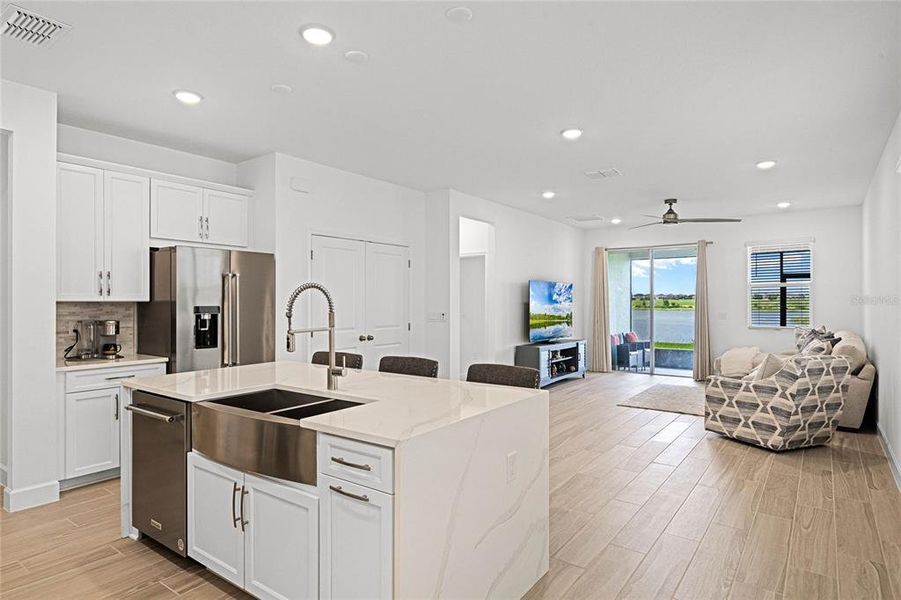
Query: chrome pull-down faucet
x=333 y=370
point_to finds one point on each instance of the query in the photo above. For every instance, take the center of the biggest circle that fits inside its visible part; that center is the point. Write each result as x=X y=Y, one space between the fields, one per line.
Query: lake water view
x=670 y=325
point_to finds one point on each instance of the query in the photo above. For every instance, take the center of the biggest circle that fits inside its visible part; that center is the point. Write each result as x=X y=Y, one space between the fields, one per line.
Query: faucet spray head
x=292 y=345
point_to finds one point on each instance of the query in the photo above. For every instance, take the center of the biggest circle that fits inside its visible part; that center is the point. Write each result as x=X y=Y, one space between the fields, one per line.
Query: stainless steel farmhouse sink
x=260 y=432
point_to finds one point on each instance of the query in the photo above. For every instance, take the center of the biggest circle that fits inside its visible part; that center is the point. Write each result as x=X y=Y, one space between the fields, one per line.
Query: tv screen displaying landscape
x=550 y=310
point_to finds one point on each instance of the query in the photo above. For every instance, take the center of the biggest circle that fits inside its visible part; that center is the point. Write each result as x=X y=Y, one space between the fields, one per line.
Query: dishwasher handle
x=146 y=412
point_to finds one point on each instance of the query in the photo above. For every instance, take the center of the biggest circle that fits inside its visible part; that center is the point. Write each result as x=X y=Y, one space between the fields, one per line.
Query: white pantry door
x=339 y=265
x=387 y=302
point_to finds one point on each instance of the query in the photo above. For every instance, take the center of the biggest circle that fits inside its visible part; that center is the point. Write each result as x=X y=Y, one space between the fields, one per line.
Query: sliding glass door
x=652 y=309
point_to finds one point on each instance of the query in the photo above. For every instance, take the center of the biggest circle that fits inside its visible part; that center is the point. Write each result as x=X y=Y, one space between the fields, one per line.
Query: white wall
x=4 y=302
x=103 y=146
x=336 y=203
x=882 y=289
x=526 y=246
x=30 y=114
x=836 y=265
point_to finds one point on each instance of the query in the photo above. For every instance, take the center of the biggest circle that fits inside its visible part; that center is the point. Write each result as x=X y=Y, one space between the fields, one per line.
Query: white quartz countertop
x=395 y=407
x=100 y=363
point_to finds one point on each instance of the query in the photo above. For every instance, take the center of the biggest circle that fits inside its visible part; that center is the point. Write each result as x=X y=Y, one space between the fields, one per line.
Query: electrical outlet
x=511 y=466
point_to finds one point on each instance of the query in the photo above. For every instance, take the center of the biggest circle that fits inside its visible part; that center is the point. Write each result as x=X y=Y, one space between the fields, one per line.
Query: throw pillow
x=771 y=365
x=615 y=339
x=803 y=335
x=854 y=350
x=817 y=347
x=738 y=362
x=632 y=337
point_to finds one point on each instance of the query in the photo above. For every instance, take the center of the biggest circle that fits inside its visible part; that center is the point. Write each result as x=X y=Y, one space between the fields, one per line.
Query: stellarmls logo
x=887 y=300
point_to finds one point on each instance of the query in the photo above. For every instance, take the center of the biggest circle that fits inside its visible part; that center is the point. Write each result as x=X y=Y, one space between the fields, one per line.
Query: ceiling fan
x=671 y=217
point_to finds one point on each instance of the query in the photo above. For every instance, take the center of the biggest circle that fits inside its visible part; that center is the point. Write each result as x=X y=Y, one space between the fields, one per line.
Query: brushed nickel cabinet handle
x=200 y=226
x=100 y=283
x=108 y=286
x=116 y=413
x=347 y=463
x=235 y=518
x=119 y=377
x=369 y=338
x=337 y=488
x=243 y=522
x=206 y=222
x=362 y=338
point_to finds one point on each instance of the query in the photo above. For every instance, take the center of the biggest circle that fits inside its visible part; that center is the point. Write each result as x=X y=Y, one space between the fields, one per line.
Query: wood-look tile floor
x=644 y=504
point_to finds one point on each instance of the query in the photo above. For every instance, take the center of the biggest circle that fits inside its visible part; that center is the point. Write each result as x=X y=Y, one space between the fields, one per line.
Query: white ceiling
x=683 y=98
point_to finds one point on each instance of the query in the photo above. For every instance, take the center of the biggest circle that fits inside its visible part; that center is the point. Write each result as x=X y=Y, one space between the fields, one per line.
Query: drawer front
x=93 y=379
x=357 y=462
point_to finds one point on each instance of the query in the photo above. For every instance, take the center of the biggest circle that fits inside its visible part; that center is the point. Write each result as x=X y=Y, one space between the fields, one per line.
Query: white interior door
x=473 y=310
x=387 y=310
x=339 y=265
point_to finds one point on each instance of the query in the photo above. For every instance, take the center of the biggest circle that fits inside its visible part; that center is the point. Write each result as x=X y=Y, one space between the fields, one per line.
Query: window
x=779 y=285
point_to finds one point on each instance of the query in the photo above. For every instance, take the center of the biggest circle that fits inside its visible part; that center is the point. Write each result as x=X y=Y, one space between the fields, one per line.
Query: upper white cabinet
x=102 y=235
x=225 y=218
x=196 y=214
x=176 y=211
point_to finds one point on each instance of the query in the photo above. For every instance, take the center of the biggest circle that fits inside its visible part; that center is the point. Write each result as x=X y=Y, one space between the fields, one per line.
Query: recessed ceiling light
x=784 y=204
x=616 y=220
x=548 y=195
x=459 y=14
x=766 y=165
x=188 y=97
x=318 y=35
x=356 y=56
x=281 y=88
x=571 y=133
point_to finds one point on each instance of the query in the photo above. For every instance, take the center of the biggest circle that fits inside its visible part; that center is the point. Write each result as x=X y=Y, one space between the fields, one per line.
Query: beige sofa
x=863 y=373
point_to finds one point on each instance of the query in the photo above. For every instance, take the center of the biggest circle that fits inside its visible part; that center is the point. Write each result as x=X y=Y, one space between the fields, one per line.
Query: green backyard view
x=664 y=303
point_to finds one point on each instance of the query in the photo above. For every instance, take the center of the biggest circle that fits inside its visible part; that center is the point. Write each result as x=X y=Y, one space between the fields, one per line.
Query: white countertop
x=100 y=363
x=396 y=407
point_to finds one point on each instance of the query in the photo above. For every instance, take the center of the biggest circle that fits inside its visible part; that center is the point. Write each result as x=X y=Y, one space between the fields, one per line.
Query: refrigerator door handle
x=226 y=317
x=236 y=321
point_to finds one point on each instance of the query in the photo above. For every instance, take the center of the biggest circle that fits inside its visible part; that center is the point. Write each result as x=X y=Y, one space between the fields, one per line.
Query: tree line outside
x=664 y=302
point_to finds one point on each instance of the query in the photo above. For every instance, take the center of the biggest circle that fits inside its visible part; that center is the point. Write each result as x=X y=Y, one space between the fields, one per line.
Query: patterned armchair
x=798 y=406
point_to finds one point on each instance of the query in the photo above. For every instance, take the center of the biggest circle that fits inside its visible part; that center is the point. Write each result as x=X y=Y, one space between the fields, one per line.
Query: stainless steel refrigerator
x=209 y=308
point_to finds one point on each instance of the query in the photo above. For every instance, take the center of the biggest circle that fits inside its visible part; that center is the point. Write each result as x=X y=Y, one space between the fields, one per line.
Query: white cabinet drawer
x=357 y=462
x=104 y=377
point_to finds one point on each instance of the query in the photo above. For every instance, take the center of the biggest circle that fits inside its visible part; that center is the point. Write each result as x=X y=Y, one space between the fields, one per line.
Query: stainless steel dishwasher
x=161 y=440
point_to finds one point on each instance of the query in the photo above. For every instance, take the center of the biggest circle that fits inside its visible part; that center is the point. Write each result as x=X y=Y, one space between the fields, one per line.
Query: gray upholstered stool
x=526 y=377
x=354 y=361
x=409 y=365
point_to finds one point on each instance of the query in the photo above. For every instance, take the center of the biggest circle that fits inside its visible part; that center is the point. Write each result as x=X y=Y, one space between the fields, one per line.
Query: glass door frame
x=652 y=295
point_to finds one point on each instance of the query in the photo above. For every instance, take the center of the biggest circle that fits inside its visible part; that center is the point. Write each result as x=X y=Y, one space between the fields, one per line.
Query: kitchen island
x=456 y=480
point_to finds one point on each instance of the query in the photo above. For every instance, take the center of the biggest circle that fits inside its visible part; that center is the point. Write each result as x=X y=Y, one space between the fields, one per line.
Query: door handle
x=100 y=283
x=200 y=226
x=206 y=221
x=237 y=319
x=347 y=463
x=337 y=488
x=235 y=518
x=152 y=414
x=116 y=413
x=369 y=338
x=243 y=522
x=226 y=320
x=362 y=338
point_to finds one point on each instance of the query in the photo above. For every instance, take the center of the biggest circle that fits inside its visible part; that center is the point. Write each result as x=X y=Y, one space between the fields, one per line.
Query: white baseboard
x=893 y=461
x=35 y=495
x=76 y=482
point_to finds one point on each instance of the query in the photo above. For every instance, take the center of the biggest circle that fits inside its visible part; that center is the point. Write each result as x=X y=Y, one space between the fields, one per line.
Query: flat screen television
x=550 y=310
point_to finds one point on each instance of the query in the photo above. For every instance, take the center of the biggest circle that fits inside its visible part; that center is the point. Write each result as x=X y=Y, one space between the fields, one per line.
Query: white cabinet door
x=281 y=540
x=356 y=540
x=126 y=206
x=79 y=238
x=339 y=264
x=176 y=211
x=92 y=431
x=387 y=310
x=225 y=218
x=215 y=538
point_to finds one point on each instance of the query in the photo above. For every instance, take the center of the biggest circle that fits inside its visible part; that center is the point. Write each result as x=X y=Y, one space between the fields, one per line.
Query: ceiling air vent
x=603 y=174
x=586 y=218
x=31 y=28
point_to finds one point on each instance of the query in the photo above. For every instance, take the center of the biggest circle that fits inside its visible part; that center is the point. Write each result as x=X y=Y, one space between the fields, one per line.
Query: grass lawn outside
x=674 y=346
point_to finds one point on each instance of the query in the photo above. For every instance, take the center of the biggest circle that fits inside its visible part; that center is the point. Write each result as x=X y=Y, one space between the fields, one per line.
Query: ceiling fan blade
x=651 y=216
x=646 y=225
x=710 y=220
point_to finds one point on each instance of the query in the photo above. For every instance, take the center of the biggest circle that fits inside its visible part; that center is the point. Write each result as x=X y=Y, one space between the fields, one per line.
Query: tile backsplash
x=67 y=313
